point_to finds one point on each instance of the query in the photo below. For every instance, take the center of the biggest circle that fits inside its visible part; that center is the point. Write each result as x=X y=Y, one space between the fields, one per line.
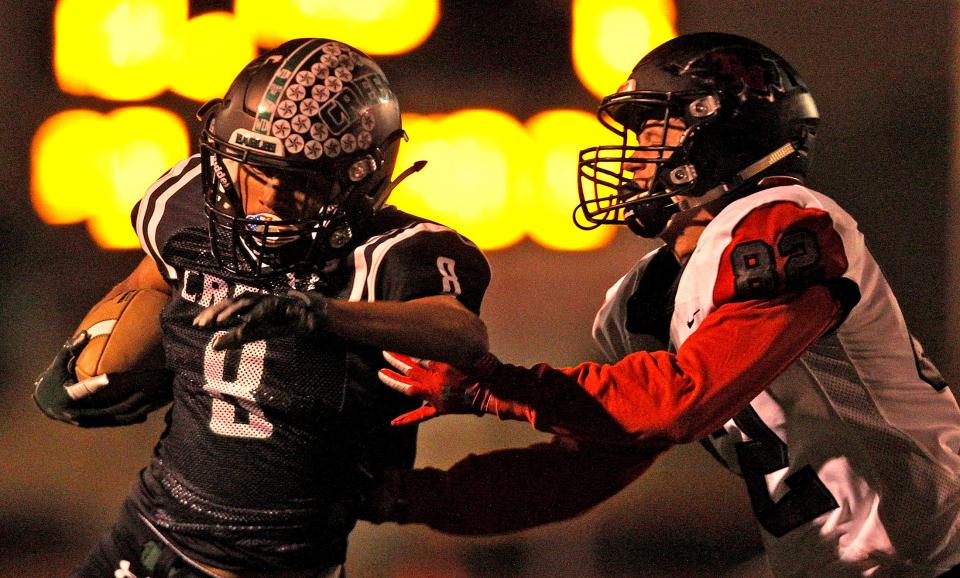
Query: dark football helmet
x=744 y=111
x=316 y=119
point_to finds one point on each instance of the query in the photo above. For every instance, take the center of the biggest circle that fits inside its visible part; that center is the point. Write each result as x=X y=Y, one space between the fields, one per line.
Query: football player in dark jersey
x=287 y=276
x=763 y=327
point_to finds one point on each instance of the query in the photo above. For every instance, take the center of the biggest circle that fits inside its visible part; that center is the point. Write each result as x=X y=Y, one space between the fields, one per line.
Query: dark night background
x=881 y=73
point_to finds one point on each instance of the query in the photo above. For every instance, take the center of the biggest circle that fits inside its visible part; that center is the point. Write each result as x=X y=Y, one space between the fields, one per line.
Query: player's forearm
x=433 y=328
x=503 y=491
x=665 y=398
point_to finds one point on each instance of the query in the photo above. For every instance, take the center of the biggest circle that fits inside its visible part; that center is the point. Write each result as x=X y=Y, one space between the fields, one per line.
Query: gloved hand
x=261 y=316
x=106 y=400
x=444 y=388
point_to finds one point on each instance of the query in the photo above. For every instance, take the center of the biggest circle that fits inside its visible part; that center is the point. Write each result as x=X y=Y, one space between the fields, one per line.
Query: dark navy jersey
x=266 y=447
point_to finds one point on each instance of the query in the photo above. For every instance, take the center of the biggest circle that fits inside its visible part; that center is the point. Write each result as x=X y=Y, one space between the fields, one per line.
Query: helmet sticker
x=319 y=131
x=329 y=61
x=281 y=128
x=364 y=140
x=309 y=107
x=320 y=93
x=259 y=142
x=331 y=147
x=296 y=92
x=348 y=143
x=306 y=78
x=334 y=84
x=300 y=123
x=326 y=100
x=313 y=149
x=367 y=121
x=266 y=109
x=294 y=143
x=287 y=109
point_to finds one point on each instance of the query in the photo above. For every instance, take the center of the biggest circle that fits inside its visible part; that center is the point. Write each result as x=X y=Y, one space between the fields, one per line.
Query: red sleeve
x=776 y=248
x=514 y=489
x=663 y=398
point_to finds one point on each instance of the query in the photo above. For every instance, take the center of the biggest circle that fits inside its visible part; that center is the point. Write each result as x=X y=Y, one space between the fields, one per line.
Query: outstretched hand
x=255 y=316
x=443 y=388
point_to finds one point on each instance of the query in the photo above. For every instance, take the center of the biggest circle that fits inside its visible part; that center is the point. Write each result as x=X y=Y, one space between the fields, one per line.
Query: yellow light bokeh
x=93 y=167
x=610 y=36
x=374 y=26
x=472 y=182
x=116 y=49
x=558 y=136
x=490 y=177
x=62 y=159
x=213 y=47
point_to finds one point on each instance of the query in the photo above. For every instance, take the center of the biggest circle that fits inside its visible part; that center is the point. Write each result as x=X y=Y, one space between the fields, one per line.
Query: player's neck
x=683 y=233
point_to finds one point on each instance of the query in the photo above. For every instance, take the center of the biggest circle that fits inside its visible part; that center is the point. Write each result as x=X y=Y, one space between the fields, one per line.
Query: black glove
x=256 y=316
x=102 y=401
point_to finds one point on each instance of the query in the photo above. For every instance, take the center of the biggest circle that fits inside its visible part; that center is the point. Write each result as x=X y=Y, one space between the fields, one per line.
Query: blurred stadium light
x=609 y=34
x=115 y=156
x=490 y=176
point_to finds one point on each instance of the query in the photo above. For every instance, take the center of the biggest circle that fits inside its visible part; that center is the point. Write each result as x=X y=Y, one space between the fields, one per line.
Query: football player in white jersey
x=763 y=327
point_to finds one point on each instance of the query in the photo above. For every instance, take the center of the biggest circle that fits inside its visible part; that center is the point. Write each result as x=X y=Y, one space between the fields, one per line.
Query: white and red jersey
x=850 y=454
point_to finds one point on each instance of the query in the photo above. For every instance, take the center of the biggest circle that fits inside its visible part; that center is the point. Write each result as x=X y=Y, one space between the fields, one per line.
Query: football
x=124 y=335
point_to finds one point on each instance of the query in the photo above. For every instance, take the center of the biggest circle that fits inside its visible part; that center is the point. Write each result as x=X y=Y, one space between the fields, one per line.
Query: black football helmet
x=744 y=111
x=316 y=119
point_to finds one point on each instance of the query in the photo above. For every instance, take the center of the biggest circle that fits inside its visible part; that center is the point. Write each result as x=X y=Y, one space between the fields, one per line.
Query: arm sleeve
x=657 y=398
x=779 y=279
x=433 y=260
x=514 y=489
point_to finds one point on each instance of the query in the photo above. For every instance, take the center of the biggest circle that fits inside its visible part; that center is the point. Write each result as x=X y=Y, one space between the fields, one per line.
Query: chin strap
x=741 y=177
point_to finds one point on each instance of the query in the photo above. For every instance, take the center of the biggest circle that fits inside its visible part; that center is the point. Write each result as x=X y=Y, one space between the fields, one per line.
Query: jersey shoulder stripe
x=159 y=206
x=370 y=256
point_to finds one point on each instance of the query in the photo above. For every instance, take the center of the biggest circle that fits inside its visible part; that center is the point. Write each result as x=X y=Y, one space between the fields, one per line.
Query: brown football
x=124 y=334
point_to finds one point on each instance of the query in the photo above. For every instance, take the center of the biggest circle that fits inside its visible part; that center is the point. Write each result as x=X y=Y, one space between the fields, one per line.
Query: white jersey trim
x=365 y=276
x=148 y=236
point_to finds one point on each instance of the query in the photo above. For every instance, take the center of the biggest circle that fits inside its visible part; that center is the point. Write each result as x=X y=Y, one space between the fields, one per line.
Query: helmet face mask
x=744 y=114
x=297 y=157
x=634 y=182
